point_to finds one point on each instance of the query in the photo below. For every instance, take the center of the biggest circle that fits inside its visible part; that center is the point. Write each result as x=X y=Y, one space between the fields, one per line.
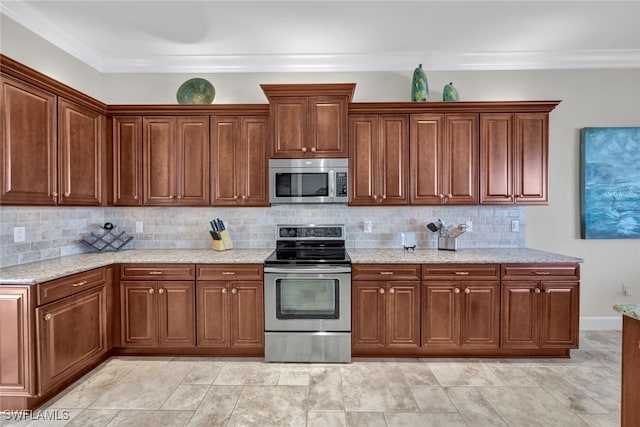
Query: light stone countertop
x=42 y=271
x=631 y=310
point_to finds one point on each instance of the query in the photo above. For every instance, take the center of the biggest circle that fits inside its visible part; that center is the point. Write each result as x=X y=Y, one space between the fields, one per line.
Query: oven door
x=307 y=299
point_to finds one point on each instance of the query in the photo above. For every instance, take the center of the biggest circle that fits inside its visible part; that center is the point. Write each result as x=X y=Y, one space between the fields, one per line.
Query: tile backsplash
x=57 y=231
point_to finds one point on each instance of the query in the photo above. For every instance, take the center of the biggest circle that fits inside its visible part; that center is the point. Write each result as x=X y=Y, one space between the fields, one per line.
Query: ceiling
x=307 y=35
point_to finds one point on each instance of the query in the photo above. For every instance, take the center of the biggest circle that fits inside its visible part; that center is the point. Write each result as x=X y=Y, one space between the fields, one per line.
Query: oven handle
x=307 y=270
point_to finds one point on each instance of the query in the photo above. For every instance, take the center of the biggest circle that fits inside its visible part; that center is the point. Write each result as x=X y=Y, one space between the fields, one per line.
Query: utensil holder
x=448 y=243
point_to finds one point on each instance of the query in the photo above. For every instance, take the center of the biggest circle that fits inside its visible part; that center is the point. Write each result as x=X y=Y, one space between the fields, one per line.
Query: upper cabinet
x=49 y=159
x=176 y=160
x=309 y=120
x=127 y=160
x=444 y=159
x=513 y=158
x=239 y=161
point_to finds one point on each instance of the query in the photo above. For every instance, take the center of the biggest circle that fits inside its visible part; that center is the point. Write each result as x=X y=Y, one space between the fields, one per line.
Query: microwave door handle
x=332 y=184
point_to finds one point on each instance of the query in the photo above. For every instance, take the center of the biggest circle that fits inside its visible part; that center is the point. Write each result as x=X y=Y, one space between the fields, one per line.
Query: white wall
x=589 y=98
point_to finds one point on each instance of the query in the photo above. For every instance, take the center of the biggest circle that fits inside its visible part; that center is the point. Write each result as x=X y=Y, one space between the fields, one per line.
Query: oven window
x=307 y=299
x=302 y=184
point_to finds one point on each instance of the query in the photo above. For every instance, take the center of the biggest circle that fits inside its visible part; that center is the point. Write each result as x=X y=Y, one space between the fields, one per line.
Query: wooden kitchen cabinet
x=239 y=159
x=71 y=335
x=127 y=160
x=157 y=304
x=540 y=305
x=461 y=306
x=385 y=310
x=230 y=312
x=176 y=161
x=378 y=159
x=309 y=120
x=444 y=159
x=17 y=351
x=514 y=158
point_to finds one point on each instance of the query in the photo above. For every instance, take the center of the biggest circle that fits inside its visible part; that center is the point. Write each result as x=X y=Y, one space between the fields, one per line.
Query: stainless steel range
x=307 y=295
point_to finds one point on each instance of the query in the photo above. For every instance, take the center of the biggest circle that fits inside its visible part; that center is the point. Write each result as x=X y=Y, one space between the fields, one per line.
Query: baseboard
x=590 y=323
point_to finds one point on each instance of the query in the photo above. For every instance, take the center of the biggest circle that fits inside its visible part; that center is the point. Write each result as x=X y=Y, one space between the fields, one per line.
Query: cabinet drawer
x=559 y=271
x=63 y=287
x=461 y=271
x=157 y=271
x=229 y=272
x=385 y=272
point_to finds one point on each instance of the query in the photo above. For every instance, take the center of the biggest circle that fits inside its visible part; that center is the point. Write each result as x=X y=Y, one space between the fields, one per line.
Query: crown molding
x=31 y=19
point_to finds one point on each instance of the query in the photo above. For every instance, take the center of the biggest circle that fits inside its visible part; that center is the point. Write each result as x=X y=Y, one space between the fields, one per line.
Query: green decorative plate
x=196 y=91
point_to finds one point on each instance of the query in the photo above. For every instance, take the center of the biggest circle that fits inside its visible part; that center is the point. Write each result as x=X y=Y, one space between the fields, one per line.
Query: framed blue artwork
x=610 y=174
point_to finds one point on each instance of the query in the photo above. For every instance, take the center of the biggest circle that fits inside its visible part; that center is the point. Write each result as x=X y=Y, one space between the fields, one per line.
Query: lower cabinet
x=71 y=335
x=230 y=312
x=386 y=311
x=157 y=313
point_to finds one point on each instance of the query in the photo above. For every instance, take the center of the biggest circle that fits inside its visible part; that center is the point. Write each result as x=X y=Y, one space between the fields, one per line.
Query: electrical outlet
x=515 y=226
x=626 y=291
x=19 y=234
x=139 y=227
x=368 y=226
x=469 y=226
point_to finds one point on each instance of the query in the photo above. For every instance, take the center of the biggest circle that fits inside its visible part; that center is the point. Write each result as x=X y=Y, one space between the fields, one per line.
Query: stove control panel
x=298 y=232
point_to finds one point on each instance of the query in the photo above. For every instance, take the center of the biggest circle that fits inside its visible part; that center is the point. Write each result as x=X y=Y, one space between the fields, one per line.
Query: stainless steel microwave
x=308 y=181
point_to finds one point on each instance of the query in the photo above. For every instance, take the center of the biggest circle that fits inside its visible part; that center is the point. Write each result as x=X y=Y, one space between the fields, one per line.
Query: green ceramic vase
x=449 y=93
x=419 y=86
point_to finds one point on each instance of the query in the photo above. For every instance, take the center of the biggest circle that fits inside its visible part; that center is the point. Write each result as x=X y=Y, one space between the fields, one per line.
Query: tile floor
x=134 y=391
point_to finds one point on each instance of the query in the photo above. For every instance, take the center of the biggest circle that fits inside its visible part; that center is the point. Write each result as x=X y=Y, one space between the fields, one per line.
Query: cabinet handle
x=467 y=290
x=66 y=194
x=135 y=197
x=536 y=290
x=244 y=197
x=386 y=273
x=224 y=290
x=151 y=291
x=48 y=316
x=462 y=273
x=234 y=291
x=383 y=197
x=161 y=291
x=155 y=273
x=75 y=285
x=304 y=149
x=392 y=291
x=179 y=197
x=226 y=273
x=541 y=273
x=313 y=149
x=235 y=197
x=456 y=291
x=54 y=194
x=441 y=196
x=381 y=290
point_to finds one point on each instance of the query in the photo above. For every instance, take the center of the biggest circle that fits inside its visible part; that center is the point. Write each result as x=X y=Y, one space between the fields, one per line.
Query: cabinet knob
x=441 y=196
x=66 y=194
x=536 y=290
x=151 y=291
x=234 y=291
x=244 y=197
x=392 y=291
x=375 y=197
x=547 y=291
x=381 y=290
x=304 y=149
x=224 y=290
x=135 y=197
x=449 y=195
x=235 y=197
x=161 y=291
x=171 y=196
x=456 y=291
x=467 y=290
x=54 y=194
x=179 y=197
x=48 y=316
x=313 y=149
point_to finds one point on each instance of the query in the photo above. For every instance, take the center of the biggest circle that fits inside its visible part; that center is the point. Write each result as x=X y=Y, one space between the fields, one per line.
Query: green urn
x=419 y=86
x=449 y=93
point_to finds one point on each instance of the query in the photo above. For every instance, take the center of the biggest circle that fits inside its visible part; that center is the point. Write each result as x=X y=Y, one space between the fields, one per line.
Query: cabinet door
x=225 y=138
x=393 y=160
x=127 y=161
x=368 y=314
x=480 y=314
x=290 y=126
x=441 y=315
x=28 y=149
x=139 y=314
x=496 y=158
x=247 y=315
x=531 y=151
x=159 y=160
x=363 y=169
x=520 y=314
x=403 y=314
x=213 y=318
x=328 y=126
x=253 y=157
x=71 y=334
x=16 y=348
x=81 y=156
x=426 y=145
x=560 y=314
x=192 y=158
x=176 y=314
x=460 y=162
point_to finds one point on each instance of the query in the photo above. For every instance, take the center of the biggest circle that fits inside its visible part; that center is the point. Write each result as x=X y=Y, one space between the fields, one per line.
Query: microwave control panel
x=341 y=184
